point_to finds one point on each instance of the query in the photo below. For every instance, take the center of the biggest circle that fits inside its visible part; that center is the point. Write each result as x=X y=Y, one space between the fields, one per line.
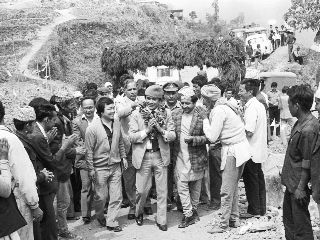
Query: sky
x=259 y=11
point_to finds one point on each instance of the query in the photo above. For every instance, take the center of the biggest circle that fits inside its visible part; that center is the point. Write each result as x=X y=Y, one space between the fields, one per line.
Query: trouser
x=282 y=39
x=108 y=183
x=152 y=161
x=229 y=192
x=76 y=189
x=296 y=218
x=277 y=43
x=255 y=187
x=48 y=224
x=189 y=193
x=26 y=232
x=129 y=180
x=205 y=189
x=63 y=202
x=274 y=114
x=87 y=193
x=170 y=182
x=290 y=48
x=215 y=175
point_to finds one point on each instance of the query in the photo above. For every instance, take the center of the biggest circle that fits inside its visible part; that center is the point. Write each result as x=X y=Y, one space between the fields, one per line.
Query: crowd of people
x=97 y=151
x=278 y=37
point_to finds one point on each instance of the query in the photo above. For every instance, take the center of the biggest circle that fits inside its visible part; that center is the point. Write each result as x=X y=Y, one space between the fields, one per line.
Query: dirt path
x=43 y=35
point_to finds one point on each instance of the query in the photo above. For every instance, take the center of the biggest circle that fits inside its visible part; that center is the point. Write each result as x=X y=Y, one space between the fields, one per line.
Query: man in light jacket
x=105 y=152
x=151 y=130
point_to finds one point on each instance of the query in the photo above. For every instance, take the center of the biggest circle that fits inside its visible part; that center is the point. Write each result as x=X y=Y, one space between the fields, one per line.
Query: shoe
x=246 y=215
x=217 y=229
x=114 y=229
x=102 y=222
x=162 y=227
x=86 y=220
x=68 y=235
x=187 y=221
x=73 y=218
x=105 y=211
x=234 y=224
x=131 y=216
x=139 y=220
x=125 y=204
x=195 y=215
x=148 y=210
x=169 y=207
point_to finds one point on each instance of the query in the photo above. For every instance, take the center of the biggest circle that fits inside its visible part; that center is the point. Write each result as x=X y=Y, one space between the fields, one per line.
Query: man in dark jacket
x=42 y=135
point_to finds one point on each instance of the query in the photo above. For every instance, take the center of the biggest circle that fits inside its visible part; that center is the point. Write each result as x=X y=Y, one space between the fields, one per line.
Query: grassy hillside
x=76 y=47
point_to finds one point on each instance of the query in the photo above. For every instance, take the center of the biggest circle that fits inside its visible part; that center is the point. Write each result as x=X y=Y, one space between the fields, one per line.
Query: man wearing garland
x=151 y=129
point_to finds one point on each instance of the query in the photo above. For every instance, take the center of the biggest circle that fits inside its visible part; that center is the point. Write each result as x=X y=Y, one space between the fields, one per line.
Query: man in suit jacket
x=79 y=126
x=151 y=130
x=42 y=135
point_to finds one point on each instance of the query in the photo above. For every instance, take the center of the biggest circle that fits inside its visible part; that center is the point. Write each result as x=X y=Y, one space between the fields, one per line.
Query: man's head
x=24 y=119
x=154 y=96
x=108 y=86
x=2 y=112
x=45 y=114
x=87 y=105
x=171 y=93
x=298 y=48
x=249 y=42
x=274 y=86
x=229 y=93
x=210 y=94
x=105 y=108
x=248 y=89
x=198 y=82
x=188 y=99
x=300 y=100
x=130 y=89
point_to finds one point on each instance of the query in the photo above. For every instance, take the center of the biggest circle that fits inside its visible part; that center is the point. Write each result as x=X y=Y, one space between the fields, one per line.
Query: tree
x=227 y=55
x=193 y=15
x=215 y=5
x=238 y=21
x=304 y=14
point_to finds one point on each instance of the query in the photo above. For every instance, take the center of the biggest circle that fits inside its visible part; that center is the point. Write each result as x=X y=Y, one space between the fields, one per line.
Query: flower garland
x=159 y=114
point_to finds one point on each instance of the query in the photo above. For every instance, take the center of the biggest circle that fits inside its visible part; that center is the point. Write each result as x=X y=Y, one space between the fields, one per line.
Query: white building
x=163 y=74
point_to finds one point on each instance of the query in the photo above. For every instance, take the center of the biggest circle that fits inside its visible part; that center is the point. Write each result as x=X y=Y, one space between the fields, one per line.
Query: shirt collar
x=42 y=130
x=177 y=105
x=249 y=102
x=83 y=117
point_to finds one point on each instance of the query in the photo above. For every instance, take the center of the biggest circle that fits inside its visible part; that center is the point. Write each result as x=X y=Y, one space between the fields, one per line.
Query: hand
x=80 y=150
x=188 y=139
x=47 y=175
x=51 y=134
x=37 y=214
x=92 y=175
x=151 y=125
x=125 y=163
x=4 y=149
x=134 y=105
x=300 y=196
x=67 y=142
x=202 y=113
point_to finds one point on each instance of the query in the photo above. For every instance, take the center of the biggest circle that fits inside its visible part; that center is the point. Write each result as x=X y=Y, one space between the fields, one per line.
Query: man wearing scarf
x=151 y=129
x=225 y=124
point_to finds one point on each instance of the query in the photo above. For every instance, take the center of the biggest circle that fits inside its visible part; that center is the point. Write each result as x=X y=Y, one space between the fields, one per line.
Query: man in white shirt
x=256 y=130
x=23 y=179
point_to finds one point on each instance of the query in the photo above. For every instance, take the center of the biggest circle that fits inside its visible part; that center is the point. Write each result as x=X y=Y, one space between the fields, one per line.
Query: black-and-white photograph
x=153 y=120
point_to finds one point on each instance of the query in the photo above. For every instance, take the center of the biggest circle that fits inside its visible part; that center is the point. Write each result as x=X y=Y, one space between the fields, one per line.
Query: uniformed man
x=171 y=96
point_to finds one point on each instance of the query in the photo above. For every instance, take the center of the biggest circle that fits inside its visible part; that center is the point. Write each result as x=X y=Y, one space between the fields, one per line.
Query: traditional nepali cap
x=211 y=91
x=25 y=114
x=317 y=94
x=187 y=91
x=77 y=94
x=107 y=84
x=154 y=91
x=170 y=87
